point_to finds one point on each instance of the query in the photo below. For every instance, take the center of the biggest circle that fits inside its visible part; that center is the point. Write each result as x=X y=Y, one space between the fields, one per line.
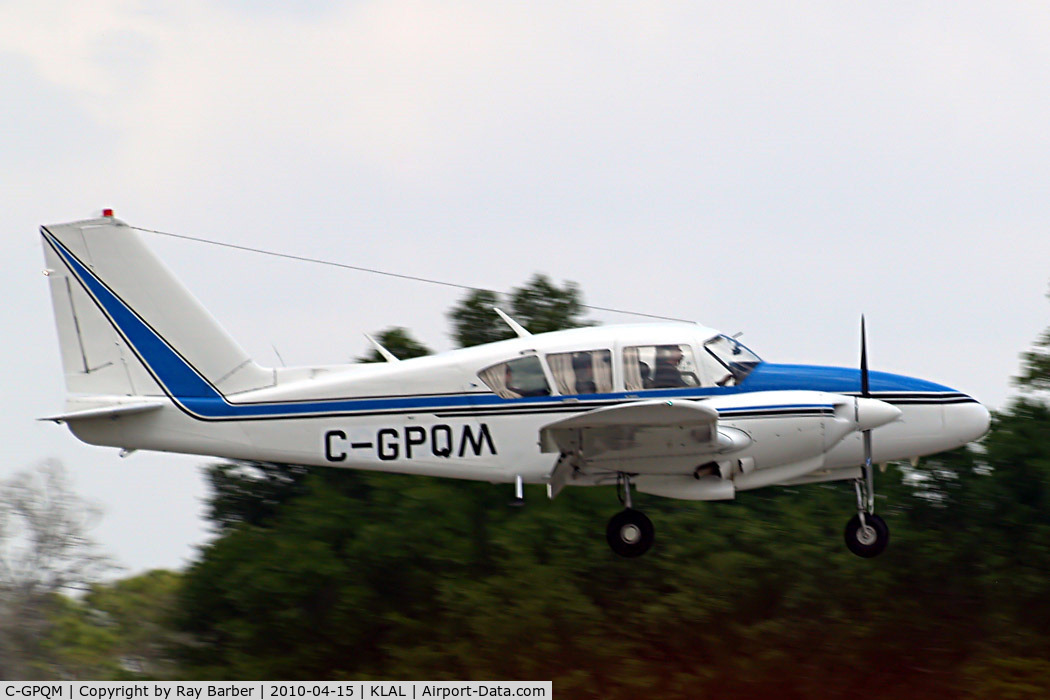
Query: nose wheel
x=866 y=533
x=630 y=532
x=868 y=537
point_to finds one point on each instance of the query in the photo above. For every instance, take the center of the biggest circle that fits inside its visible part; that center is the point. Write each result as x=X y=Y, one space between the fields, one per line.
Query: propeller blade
x=865 y=391
x=864 y=387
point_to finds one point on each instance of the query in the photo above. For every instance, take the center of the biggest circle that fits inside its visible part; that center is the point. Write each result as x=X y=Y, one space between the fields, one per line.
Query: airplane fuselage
x=452 y=425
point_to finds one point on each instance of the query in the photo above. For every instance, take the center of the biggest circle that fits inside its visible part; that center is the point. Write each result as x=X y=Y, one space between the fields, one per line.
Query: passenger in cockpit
x=643 y=371
x=666 y=374
x=583 y=370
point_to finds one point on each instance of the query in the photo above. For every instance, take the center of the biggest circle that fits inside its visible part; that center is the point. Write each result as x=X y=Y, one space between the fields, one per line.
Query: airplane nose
x=871 y=413
x=967 y=421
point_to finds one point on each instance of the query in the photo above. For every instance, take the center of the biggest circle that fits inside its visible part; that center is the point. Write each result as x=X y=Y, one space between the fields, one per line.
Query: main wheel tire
x=867 y=541
x=630 y=533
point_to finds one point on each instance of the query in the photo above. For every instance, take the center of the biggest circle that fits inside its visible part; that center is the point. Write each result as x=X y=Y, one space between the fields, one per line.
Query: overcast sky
x=772 y=168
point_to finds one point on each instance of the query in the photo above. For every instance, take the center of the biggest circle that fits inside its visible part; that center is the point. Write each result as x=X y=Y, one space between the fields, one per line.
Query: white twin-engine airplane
x=671 y=409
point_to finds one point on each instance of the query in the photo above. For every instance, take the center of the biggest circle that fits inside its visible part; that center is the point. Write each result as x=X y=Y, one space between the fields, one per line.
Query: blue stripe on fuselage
x=838 y=380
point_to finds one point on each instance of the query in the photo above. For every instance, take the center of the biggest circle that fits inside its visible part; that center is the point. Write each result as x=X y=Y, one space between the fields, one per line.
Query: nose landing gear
x=866 y=533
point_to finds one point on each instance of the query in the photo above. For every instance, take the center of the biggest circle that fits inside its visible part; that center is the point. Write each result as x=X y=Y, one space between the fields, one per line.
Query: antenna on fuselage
x=277 y=352
x=387 y=355
x=514 y=325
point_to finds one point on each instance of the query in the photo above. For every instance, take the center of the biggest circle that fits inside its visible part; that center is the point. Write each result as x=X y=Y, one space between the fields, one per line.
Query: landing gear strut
x=866 y=533
x=630 y=532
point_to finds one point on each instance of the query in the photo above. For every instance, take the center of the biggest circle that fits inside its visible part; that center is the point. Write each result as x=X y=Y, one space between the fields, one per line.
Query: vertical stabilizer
x=127 y=327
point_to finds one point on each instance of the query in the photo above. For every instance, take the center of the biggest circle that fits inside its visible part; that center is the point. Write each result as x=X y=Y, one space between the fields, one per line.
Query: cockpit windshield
x=737 y=360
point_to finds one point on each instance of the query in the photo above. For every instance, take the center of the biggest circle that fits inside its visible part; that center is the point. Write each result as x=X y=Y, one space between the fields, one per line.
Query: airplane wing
x=646 y=437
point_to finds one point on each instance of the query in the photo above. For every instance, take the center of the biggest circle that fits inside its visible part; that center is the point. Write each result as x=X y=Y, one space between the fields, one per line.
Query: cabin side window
x=517 y=378
x=584 y=372
x=659 y=367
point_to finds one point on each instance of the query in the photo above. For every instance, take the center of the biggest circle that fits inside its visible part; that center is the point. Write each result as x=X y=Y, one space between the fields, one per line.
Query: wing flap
x=563 y=473
x=643 y=414
x=647 y=437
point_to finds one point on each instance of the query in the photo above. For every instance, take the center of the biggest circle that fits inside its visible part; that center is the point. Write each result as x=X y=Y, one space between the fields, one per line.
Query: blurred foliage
x=399 y=342
x=475 y=323
x=121 y=630
x=251 y=492
x=45 y=551
x=539 y=305
x=1035 y=365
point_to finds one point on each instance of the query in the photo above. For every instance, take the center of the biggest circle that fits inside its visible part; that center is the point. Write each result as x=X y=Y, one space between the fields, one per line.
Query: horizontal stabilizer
x=111 y=411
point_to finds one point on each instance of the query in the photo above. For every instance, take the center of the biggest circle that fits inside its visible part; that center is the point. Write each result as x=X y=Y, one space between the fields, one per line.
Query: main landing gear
x=630 y=532
x=866 y=533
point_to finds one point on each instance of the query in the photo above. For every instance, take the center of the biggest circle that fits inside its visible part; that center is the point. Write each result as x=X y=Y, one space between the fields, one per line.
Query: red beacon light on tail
x=107 y=213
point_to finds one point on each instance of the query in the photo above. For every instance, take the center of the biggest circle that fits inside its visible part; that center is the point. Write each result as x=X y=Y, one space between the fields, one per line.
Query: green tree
x=1008 y=521
x=76 y=645
x=45 y=550
x=118 y=631
x=475 y=323
x=399 y=342
x=251 y=492
x=539 y=305
x=542 y=306
x=382 y=576
x=1035 y=365
x=139 y=611
x=316 y=592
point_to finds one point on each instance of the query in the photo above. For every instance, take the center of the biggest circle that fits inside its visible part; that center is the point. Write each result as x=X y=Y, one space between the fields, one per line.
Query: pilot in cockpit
x=666 y=374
